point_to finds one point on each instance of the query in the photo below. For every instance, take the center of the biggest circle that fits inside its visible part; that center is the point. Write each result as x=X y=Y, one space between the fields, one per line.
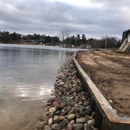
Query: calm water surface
x=29 y=72
x=27 y=75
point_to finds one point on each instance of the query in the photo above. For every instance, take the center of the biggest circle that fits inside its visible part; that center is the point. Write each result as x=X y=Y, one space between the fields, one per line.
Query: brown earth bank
x=110 y=71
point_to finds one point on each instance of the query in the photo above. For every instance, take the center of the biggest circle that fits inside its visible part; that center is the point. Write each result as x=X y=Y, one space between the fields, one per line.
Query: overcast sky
x=94 y=18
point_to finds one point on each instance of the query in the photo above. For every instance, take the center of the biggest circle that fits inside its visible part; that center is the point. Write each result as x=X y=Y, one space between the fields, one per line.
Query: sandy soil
x=110 y=71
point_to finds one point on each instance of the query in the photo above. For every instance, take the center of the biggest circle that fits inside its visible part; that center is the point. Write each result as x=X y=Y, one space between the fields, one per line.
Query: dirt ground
x=110 y=71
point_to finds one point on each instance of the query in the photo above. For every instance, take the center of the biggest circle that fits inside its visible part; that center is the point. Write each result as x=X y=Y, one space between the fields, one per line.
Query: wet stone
x=78 y=126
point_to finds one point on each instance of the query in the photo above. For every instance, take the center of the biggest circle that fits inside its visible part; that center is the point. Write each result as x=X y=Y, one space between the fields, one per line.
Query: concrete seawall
x=105 y=117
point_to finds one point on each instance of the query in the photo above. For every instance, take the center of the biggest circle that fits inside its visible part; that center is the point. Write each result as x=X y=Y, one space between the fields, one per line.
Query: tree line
x=63 y=38
x=104 y=42
x=7 y=37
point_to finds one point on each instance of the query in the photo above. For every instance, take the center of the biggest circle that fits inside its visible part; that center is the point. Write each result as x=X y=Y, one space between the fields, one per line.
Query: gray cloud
x=49 y=17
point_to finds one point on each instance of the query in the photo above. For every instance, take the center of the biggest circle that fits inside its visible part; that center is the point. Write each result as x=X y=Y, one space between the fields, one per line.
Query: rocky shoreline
x=68 y=107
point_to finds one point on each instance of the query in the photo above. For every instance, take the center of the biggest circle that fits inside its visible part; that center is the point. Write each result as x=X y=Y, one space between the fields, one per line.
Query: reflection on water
x=27 y=75
x=29 y=72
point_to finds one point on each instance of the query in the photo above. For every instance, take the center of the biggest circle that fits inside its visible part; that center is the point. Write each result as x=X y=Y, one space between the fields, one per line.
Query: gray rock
x=76 y=98
x=76 y=108
x=60 y=93
x=51 y=115
x=80 y=103
x=57 y=112
x=68 y=101
x=86 y=103
x=55 y=119
x=58 y=76
x=82 y=113
x=58 y=108
x=81 y=108
x=89 y=112
x=73 y=103
x=87 y=107
x=77 y=115
x=74 y=94
x=65 y=112
x=63 y=97
x=62 y=104
x=77 y=126
x=54 y=126
x=62 y=125
x=87 y=119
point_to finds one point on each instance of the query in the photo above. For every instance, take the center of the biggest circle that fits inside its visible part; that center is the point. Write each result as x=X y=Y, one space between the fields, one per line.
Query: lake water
x=27 y=76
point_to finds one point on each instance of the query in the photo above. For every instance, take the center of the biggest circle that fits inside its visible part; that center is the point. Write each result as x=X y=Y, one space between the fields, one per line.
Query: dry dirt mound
x=110 y=71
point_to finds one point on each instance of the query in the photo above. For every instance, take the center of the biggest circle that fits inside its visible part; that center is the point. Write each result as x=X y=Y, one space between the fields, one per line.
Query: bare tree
x=64 y=34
